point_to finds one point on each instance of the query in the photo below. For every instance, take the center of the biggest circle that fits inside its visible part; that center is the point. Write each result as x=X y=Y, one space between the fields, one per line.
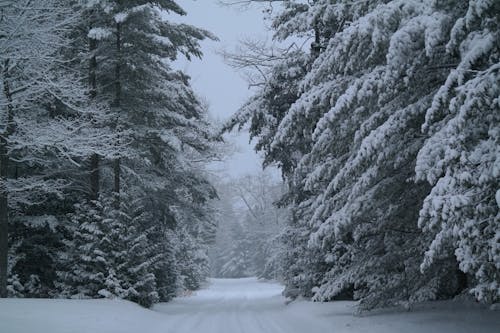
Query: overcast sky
x=223 y=88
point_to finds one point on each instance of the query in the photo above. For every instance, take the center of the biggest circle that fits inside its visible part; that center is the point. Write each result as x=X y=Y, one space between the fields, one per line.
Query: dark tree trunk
x=316 y=45
x=117 y=103
x=4 y=159
x=93 y=68
x=94 y=159
x=94 y=177
x=118 y=83
x=462 y=282
x=4 y=218
x=116 y=169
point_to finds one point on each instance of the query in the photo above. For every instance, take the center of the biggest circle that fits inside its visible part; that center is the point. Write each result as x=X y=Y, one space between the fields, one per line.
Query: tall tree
x=59 y=92
x=39 y=96
x=381 y=71
x=154 y=110
x=460 y=158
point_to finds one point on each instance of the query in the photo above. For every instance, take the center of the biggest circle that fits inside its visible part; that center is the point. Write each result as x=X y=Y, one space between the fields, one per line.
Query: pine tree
x=46 y=123
x=34 y=250
x=88 y=264
x=378 y=72
x=460 y=157
x=141 y=256
x=98 y=109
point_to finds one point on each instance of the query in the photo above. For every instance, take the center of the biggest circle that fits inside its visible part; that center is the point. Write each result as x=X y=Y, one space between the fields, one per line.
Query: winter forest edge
x=383 y=117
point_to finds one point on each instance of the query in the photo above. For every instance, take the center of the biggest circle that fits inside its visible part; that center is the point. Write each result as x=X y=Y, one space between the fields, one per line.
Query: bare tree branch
x=256 y=58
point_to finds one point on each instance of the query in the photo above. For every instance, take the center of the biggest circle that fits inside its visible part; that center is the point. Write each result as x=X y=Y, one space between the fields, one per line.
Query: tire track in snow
x=237 y=306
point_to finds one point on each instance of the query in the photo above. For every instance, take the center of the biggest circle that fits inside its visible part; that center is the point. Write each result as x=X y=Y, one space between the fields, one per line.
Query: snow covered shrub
x=35 y=258
x=88 y=262
x=111 y=254
x=193 y=262
x=14 y=286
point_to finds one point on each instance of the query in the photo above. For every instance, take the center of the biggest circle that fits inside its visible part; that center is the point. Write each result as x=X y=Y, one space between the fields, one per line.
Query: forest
x=382 y=117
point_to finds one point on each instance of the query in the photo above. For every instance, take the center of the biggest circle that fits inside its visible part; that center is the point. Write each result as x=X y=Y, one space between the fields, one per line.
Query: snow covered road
x=239 y=306
x=236 y=306
x=251 y=306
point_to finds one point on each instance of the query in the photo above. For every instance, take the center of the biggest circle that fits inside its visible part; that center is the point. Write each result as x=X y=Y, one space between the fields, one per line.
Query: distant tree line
x=249 y=228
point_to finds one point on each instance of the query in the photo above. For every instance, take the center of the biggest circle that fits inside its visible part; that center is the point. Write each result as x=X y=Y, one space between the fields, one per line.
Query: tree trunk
x=94 y=177
x=118 y=83
x=4 y=159
x=94 y=159
x=93 y=68
x=117 y=103
x=316 y=45
x=116 y=169
x=4 y=218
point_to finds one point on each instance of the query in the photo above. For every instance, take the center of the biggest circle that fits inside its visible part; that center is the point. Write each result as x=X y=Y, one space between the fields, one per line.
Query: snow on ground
x=236 y=306
x=77 y=316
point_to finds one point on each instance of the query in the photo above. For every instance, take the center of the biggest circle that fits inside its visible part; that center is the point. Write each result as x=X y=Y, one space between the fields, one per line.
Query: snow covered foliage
x=104 y=136
x=109 y=254
x=389 y=143
x=192 y=260
x=461 y=157
x=35 y=249
x=45 y=110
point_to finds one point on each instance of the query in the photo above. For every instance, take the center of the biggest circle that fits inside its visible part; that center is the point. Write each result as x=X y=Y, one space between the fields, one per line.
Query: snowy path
x=236 y=306
x=250 y=306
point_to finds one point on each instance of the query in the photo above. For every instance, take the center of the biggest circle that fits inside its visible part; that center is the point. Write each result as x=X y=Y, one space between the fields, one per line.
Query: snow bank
x=77 y=316
x=431 y=317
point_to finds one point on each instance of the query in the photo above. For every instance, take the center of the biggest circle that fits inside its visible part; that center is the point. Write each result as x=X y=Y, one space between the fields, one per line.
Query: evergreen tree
x=44 y=109
x=92 y=107
x=460 y=157
x=34 y=249
x=89 y=264
x=377 y=74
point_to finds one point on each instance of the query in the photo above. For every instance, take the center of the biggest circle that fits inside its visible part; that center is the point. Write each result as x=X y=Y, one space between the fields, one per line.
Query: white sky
x=223 y=88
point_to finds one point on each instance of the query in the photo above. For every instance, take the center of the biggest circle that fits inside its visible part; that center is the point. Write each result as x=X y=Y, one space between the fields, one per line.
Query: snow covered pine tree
x=393 y=93
x=106 y=114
